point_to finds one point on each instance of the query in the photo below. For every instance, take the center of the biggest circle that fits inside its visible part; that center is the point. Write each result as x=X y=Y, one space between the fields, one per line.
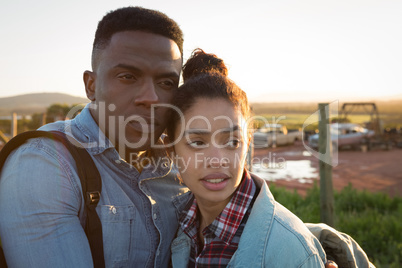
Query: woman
x=232 y=218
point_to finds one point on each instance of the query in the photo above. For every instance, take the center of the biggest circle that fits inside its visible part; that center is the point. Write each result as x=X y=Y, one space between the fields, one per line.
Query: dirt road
x=376 y=170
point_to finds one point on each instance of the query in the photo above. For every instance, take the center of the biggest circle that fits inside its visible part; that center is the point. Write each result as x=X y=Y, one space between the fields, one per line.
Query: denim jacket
x=41 y=208
x=273 y=237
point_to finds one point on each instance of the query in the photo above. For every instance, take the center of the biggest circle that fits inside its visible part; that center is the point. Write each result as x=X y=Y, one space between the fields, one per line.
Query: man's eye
x=167 y=84
x=126 y=76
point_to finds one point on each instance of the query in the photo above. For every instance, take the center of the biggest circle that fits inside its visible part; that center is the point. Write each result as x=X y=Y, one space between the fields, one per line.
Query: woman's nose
x=217 y=158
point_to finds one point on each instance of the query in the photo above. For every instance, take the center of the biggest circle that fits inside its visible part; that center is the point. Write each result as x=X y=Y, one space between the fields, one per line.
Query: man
x=136 y=62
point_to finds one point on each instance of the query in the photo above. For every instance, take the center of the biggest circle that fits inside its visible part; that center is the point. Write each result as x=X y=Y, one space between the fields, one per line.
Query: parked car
x=344 y=134
x=275 y=135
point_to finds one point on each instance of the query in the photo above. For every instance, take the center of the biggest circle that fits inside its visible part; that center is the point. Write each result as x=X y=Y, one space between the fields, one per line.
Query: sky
x=276 y=50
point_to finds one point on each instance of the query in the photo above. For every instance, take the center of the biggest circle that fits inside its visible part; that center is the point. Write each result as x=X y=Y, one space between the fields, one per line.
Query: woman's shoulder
x=287 y=222
x=285 y=234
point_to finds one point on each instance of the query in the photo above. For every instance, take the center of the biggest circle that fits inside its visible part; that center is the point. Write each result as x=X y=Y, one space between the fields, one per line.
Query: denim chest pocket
x=117 y=224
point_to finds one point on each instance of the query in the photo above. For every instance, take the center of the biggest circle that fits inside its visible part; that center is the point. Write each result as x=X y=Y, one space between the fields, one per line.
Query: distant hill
x=36 y=102
x=279 y=97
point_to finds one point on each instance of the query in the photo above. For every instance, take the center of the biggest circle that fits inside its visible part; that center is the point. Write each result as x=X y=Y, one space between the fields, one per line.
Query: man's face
x=135 y=71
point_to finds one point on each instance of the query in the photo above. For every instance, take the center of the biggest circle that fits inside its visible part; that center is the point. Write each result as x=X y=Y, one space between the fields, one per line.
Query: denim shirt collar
x=84 y=130
x=96 y=142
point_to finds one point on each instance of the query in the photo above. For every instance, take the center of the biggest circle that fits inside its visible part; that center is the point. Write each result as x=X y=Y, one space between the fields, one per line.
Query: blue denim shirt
x=41 y=208
x=273 y=237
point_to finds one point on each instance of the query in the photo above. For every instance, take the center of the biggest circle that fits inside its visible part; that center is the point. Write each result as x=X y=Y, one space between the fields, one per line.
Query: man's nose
x=147 y=94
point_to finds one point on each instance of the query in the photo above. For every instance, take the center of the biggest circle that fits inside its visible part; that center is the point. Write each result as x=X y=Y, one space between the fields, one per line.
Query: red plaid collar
x=227 y=223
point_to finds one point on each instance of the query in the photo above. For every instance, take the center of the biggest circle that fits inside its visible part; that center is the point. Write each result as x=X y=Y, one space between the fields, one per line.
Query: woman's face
x=211 y=150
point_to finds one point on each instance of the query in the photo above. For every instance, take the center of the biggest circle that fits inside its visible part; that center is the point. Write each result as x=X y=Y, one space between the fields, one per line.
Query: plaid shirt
x=222 y=236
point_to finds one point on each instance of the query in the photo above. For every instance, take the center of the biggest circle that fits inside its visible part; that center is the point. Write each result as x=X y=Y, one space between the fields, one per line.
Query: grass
x=374 y=220
x=390 y=113
x=296 y=120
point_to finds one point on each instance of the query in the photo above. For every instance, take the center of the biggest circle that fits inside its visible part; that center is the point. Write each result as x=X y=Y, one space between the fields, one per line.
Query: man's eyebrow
x=127 y=67
x=168 y=74
x=132 y=68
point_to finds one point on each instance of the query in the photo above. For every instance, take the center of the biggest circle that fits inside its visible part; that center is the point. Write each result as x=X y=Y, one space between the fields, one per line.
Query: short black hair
x=136 y=19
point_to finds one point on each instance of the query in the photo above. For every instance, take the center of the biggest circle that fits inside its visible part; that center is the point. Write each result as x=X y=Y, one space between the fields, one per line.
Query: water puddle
x=300 y=170
x=296 y=153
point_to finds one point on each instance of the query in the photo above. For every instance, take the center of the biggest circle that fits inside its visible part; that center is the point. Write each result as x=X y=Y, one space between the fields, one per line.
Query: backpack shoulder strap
x=90 y=182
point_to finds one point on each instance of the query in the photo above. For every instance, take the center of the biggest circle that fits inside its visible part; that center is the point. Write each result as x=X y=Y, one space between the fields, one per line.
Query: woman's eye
x=197 y=144
x=233 y=144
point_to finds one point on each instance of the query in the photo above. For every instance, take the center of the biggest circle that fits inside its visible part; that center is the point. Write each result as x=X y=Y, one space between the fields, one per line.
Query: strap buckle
x=93 y=198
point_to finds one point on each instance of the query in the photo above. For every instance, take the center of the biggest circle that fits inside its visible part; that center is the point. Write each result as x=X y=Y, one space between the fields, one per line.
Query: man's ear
x=89 y=82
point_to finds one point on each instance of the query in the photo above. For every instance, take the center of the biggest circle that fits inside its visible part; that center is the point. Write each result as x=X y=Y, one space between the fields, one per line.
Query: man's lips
x=143 y=127
x=143 y=123
x=141 y=118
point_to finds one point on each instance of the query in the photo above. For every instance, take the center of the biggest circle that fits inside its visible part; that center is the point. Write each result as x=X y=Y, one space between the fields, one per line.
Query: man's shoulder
x=36 y=153
x=33 y=143
x=82 y=131
x=81 y=127
x=69 y=127
x=56 y=126
x=39 y=161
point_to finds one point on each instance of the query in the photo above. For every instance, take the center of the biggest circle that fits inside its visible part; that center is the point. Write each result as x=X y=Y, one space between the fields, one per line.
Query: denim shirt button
x=114 y=210
x=117 y=161
x=155 y=216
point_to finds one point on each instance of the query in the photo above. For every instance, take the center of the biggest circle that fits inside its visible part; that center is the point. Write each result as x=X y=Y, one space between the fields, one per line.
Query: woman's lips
x=215 y=181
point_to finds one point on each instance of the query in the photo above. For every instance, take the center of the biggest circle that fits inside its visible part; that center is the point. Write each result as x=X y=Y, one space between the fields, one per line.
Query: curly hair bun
x=202 y=62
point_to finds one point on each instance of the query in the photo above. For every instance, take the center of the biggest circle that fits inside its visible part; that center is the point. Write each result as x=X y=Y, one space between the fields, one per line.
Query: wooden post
x=325 y=150
x=43 y=119
x=250 y=155
x=14 y=123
